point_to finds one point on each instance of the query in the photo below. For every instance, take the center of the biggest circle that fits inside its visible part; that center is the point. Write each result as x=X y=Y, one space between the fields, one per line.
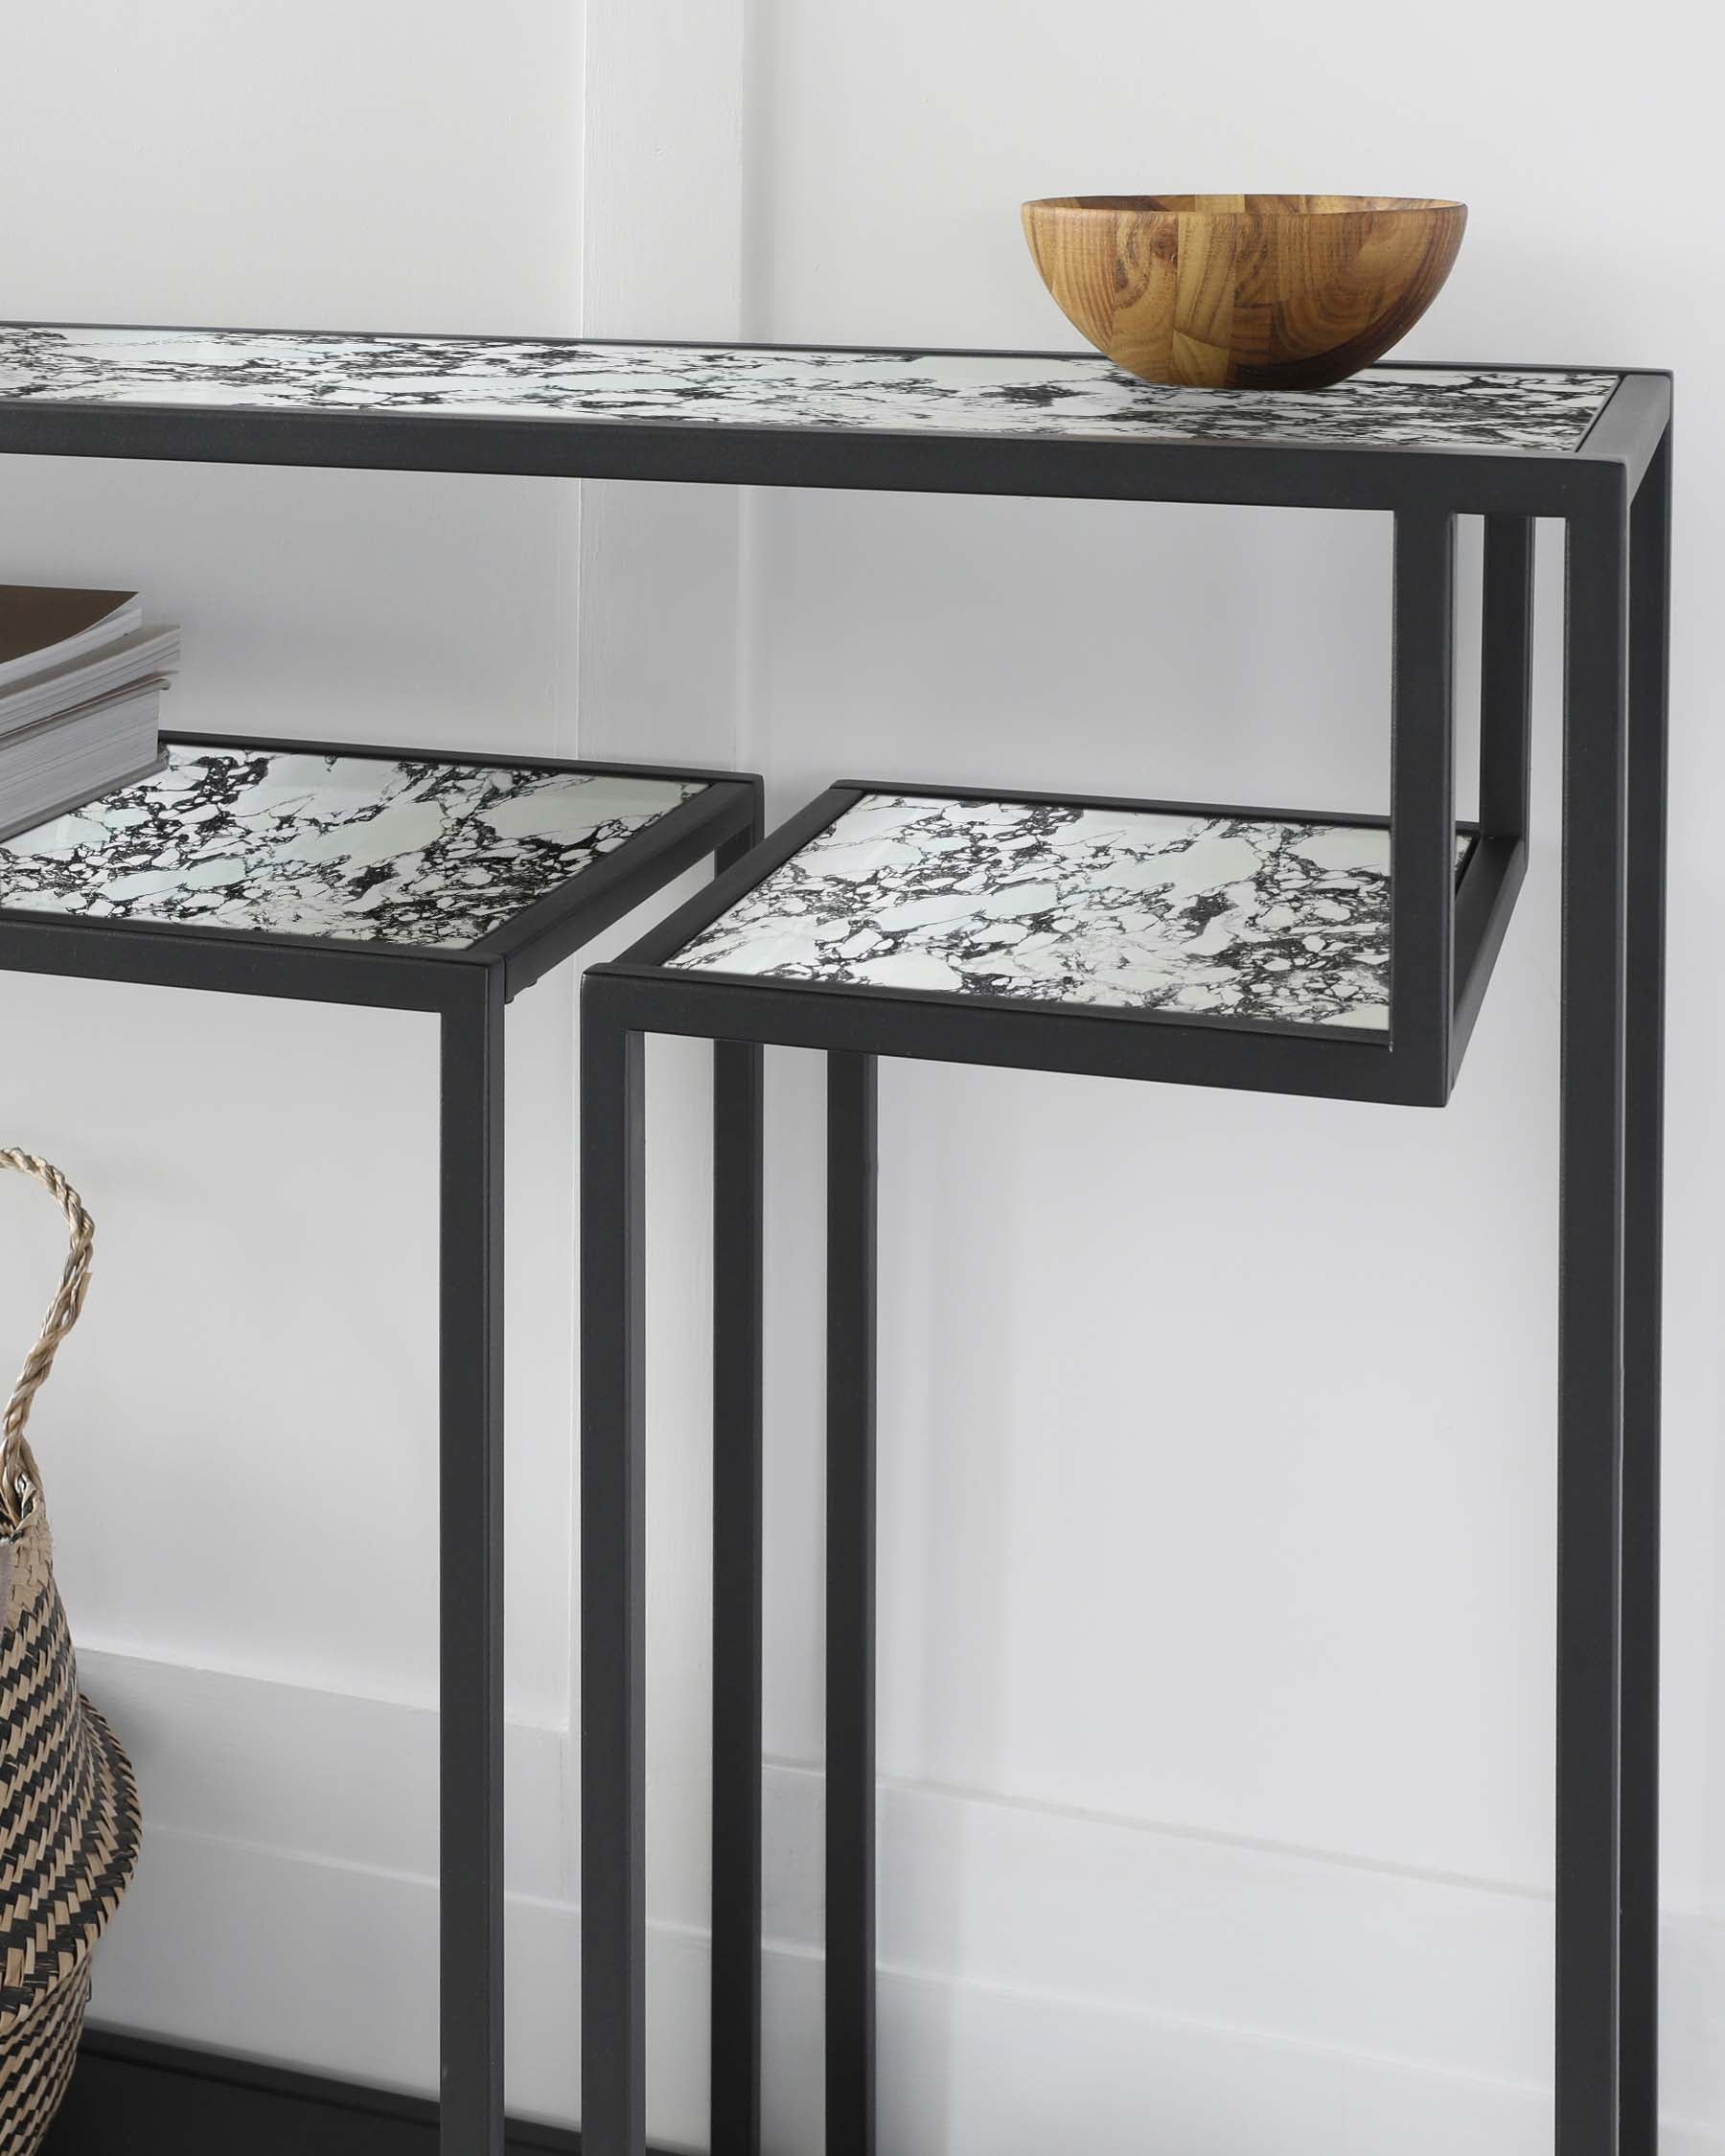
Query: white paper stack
x=80 y=686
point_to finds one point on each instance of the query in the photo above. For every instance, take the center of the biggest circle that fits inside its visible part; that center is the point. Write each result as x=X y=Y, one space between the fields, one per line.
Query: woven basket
x=69 y=1824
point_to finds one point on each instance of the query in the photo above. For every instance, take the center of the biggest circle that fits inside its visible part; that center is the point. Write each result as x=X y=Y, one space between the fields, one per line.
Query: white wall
x=1217 y=1442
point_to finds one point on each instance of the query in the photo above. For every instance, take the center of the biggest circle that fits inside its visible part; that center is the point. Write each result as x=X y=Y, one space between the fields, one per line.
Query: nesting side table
x=1219 y=945
x=1419 y=444
x=404 y=880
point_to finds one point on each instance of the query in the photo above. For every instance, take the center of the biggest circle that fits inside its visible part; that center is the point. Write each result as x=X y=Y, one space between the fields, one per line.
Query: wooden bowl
x=1244 y=292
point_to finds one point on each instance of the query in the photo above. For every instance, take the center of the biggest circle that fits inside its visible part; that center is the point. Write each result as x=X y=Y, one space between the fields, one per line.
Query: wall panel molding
x=1037 y=1965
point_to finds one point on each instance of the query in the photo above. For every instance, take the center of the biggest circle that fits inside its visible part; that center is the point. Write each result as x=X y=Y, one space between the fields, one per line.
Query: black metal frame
x=1445 y=934
x=468 y=990
x=1617 y=613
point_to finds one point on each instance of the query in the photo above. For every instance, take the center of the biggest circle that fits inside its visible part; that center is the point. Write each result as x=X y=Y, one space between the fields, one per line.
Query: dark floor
x=135 y=2097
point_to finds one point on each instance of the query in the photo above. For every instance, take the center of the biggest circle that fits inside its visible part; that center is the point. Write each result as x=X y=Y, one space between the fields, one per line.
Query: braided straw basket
x=69 y=1824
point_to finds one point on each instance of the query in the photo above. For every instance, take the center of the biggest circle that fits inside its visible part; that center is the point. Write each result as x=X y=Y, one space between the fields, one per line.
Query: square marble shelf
x=370 y=849
x=1209 y=915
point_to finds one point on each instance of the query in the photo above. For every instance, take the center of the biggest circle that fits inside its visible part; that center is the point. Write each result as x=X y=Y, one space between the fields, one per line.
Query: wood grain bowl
x=1244 y=292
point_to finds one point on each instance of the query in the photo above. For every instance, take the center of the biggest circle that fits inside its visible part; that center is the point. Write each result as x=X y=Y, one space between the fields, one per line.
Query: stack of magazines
x=81 y=686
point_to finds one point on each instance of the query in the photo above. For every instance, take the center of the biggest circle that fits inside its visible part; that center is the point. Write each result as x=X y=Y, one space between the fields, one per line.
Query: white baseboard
x=1048 y=1980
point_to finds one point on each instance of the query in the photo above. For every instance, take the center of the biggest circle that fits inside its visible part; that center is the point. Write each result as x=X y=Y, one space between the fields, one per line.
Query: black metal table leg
x=1422 y=789
x=612 y=1588
x=738 y=1242
x=1649 y=653
x=850 y=1615
x=471 y=1497
x=1591 y=1325
x=1507 y=677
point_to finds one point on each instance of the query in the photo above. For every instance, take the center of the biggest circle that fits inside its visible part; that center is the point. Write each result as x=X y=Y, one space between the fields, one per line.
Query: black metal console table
x=1425 y=445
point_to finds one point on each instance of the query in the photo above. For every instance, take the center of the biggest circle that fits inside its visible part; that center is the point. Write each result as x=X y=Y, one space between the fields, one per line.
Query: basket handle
x=19 y=1481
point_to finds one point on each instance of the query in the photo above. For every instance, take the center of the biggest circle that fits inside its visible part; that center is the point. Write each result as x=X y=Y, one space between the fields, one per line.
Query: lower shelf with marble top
x=385 y=860
x=1135 y=938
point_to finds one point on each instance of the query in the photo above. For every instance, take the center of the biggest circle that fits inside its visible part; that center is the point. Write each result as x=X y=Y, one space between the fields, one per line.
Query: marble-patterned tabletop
x=360 y=848
x=1203 y=916
x=999 y=394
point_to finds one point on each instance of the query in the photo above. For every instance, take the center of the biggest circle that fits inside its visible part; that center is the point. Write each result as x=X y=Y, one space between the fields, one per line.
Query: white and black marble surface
x=359 y=848
x=1206 y=916
x=986 y=393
